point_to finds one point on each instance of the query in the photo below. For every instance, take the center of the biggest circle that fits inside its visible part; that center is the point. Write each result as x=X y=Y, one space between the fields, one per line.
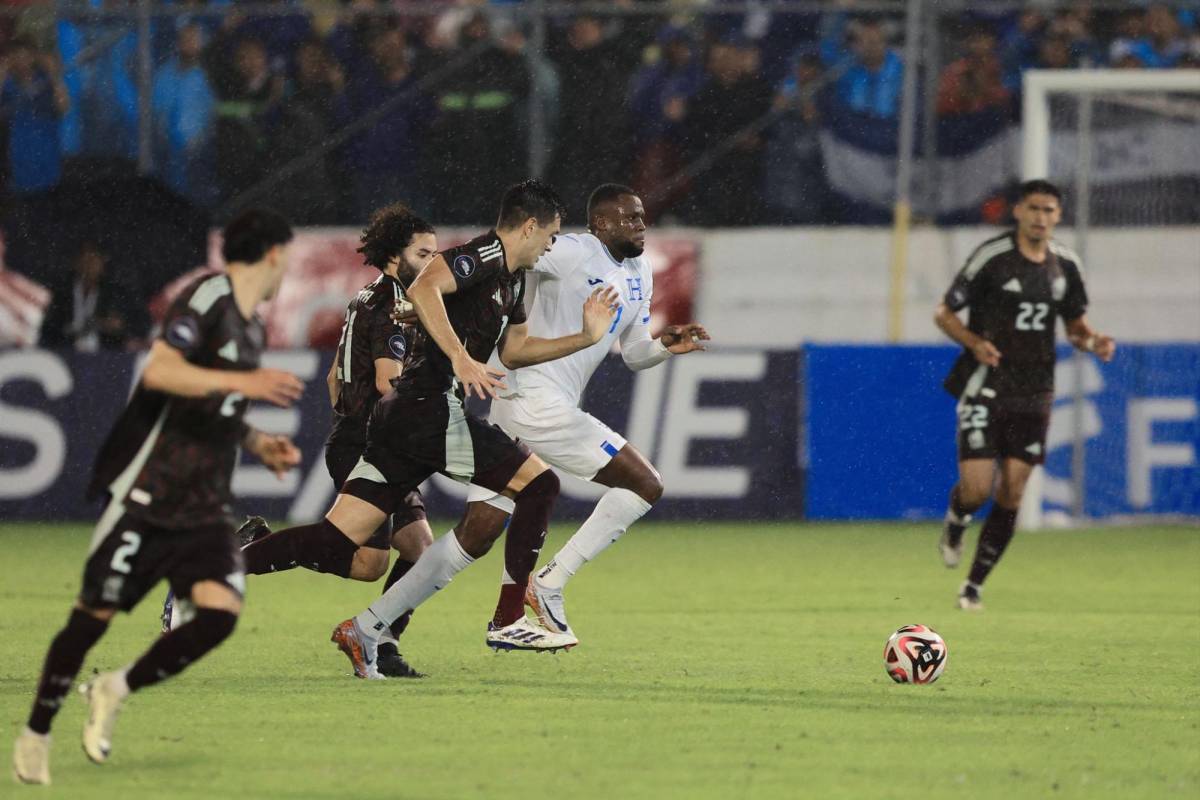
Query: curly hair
x=390 y=231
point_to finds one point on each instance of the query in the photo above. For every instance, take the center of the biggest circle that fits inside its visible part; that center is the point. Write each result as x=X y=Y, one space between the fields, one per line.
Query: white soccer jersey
x=574 y=267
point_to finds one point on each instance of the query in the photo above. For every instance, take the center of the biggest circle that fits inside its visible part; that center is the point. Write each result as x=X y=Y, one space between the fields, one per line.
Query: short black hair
x=390 y=231
x=250 y=234
x=605 y=193
x=1039 y=186
x=529 y=198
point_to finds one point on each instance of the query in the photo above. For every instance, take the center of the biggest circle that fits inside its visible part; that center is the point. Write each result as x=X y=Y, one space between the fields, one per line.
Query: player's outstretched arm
x=168 y=371
x=1086 y=338
x=426 y=293
x=519 y=349
x=984 y=351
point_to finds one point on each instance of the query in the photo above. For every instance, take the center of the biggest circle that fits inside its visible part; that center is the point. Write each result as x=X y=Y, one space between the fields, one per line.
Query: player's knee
x=651 y=487
x=412 y=540
x=1010 y=496
x=972 y=496
x=480 y=527
x=369 y=564
x=543 y=488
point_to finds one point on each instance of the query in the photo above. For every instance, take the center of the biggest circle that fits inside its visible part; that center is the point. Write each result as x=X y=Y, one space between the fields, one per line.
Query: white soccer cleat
x=951 y=553
x=528 y=634
x=549 y=607
x=104 y=697
x=31 y=758
x=362 y=650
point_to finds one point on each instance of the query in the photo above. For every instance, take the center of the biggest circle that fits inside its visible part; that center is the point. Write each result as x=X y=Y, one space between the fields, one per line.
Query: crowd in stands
x=350 y=105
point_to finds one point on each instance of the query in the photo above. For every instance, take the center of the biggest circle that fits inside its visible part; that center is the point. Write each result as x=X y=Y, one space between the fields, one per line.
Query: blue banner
x=721 y=427
x=880 y=432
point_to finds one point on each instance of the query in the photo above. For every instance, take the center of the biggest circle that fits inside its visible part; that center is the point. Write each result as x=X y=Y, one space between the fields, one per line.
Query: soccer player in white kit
x=541 y=405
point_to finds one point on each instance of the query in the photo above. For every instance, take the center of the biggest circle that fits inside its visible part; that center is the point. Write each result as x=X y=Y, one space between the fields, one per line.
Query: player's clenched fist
x=598 y=312
x=272 y=385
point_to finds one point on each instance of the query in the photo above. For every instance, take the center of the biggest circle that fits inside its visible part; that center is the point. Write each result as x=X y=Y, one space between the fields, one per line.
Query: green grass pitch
x=717 y=661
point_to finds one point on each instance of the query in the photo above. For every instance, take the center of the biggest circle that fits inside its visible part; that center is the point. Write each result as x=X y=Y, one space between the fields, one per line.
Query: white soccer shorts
x=561 y=434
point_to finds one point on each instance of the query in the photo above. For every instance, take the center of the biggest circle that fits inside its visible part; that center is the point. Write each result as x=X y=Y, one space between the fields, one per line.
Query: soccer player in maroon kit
x=470 y=299
x=370 y=354
x=1015 y=287
x=166 y=469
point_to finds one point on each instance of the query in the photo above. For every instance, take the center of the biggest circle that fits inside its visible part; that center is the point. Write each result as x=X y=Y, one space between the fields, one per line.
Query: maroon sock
x=993 y=540
x=63 y=661
x=174 y=651
x=526 y=535
x=320 y=547
x=399 y=569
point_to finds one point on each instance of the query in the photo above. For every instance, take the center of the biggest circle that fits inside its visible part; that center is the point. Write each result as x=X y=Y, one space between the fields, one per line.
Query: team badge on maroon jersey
x=464 y=266
x=182 y=333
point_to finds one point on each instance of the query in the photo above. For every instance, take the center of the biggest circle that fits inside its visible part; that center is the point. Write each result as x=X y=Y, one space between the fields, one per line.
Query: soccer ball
x=915 y=654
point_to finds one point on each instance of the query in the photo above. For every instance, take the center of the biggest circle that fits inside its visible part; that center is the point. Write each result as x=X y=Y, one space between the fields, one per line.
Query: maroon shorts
x=340 y=460
x=411 y=438
x=992 y=431
x=134 y=555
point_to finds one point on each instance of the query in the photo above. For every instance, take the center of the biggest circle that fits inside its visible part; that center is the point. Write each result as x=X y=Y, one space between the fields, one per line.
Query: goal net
x=1125 y=147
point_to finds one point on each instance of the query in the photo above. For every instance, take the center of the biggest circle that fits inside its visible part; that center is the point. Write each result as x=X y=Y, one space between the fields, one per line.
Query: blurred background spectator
x=592 y=111
x=730 y=98
x=184 y=104
x=477 y=141
x=385 y=156
x=312 y=106
x=659 y=96
x=871 y=73
x=33 y=100
x=89 y=308
x=246 y=92
x=974 y=82
x=794 y=185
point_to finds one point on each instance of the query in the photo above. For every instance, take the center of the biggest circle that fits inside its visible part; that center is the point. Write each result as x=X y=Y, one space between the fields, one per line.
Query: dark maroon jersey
x=488 y=298
x=367 y=334
x=1015 y=303
x=169 y=460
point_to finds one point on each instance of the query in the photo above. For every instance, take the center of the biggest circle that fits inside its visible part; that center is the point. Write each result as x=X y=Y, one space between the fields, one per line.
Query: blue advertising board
x=720 y=426
x=880 y=431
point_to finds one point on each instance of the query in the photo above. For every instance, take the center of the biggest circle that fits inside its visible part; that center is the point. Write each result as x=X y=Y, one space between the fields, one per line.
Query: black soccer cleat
x=253 y=529
x=969 y=599
x=393 y=665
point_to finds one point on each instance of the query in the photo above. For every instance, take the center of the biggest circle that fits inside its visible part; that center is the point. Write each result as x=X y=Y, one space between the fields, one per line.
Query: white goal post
x=1038 y=86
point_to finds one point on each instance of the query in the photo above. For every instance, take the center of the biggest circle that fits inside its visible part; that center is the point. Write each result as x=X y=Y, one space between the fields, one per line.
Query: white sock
x=436 y=567
x=616 y=511
x=120 y=684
